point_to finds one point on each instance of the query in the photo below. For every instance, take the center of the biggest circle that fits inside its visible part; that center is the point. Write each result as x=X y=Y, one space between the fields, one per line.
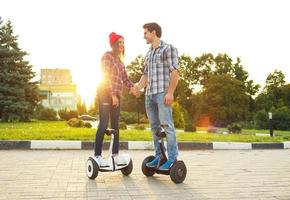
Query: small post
x=270 y=124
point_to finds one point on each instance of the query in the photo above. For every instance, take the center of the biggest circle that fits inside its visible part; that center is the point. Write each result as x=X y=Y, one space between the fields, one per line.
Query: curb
x=138 y=145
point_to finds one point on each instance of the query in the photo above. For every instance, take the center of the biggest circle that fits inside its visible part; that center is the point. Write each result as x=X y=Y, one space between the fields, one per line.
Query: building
x=57 y=90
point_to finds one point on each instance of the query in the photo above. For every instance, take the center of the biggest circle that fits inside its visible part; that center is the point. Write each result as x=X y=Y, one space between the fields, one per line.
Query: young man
x=161 y=77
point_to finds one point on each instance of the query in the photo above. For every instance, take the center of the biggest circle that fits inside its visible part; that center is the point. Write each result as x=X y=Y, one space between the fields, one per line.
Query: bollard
x=270 y=124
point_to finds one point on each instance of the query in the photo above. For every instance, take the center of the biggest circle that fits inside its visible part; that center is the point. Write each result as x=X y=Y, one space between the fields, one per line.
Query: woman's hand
x=115 y=101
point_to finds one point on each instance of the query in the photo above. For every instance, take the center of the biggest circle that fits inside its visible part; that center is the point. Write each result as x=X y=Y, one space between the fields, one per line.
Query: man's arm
x=169 y=97
x=142 y=82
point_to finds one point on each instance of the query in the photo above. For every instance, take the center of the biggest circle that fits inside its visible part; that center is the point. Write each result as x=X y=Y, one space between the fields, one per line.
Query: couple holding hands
x=160 y=78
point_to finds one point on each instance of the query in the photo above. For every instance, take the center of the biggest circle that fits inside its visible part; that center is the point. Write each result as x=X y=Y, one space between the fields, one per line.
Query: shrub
x=87 y=125
x=248 y=124
x=74 y=122
x=178 y=115
x=281 y=118
x=47 y=114
x=123 y=125
x=139 y=127
x=143 y=119
x=235 y=128
x=189 y=128
x=67 y=114
x=261 y=119
x=128 y=117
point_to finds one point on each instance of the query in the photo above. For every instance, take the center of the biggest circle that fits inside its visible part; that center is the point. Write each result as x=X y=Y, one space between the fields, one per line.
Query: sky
x=73 y=34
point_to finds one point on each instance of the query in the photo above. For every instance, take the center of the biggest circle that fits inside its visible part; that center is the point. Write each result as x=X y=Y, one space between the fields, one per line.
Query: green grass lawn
x=59 y=130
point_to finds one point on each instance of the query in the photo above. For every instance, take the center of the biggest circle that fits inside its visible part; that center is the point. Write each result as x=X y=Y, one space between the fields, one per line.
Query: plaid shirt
x=114 y=74
x=159 y=63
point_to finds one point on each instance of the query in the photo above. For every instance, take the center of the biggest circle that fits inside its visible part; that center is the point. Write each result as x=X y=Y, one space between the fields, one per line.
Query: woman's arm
x=109 y=76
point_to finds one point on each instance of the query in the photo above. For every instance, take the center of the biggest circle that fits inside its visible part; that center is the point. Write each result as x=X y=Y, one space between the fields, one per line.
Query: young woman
x=109 y=91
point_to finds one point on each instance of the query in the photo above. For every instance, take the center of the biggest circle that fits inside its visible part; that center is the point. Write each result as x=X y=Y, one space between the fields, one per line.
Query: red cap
x=114 y=37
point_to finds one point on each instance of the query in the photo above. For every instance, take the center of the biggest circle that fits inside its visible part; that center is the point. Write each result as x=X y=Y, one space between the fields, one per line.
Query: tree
x=275 y=93
x=224 y=100
x=177 y=115
x=274 y=81
x=18 y=94
x=129 y=102
x=196 y=73
x=199 y=70
x=81 y=107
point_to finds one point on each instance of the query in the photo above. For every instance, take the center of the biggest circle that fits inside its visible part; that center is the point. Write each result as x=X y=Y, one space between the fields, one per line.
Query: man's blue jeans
x=160 y=114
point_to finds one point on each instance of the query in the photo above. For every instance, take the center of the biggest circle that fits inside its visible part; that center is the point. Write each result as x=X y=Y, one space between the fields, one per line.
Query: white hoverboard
x=109 y=163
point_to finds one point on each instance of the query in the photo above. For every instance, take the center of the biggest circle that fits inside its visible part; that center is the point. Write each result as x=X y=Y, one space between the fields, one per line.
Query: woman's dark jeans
x=106 y=112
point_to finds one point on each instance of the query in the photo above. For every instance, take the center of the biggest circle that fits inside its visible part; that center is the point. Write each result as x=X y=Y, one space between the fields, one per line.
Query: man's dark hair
x=153 y=27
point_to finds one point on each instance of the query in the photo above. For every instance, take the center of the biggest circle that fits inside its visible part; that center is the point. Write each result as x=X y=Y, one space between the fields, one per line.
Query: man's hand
x=168 y=99
x=115 y=101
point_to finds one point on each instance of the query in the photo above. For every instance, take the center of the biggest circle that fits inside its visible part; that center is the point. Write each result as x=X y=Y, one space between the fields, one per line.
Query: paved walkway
x=53 y=174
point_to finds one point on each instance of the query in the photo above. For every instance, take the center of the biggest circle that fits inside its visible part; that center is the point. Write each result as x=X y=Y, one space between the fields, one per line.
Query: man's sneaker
x=119 y=160
x=153 y=163
x=166 y=166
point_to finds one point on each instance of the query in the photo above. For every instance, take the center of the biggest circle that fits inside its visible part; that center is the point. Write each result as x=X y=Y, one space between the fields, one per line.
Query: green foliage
x=81 y=108
x=129 y=102
x=132 y=117
x=87 y=125
x=261 y=119
x=275 y=94
x=18 y=94
x=248 y=124
x=275 y=80
x=78 y=123
x=189 y=128
x=235 y=128
x=281 y=118
x=139 y=127
x=178 y=115
x=67 y=114
x=122 y=125
x=58 y=130
x=47 y=114
x=128 y=117
x=224 y=100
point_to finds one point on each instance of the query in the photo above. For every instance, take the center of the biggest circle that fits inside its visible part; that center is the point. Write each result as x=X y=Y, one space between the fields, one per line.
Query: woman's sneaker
x=102 y=162
x=153 y=163
x=119 y=160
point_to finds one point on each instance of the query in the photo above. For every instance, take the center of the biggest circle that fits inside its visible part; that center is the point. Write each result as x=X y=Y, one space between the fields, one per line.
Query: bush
x=143 y=119
x=178 y=115
x=74 y=122
x=261 y=119
x=139 y=127
x=87 y=125
x=47 y=114
x=281 y=118
x=189 y=128
x=248 y=124
x=129 y=117
x=67 y=114
x=123 y=125
x=235 y=128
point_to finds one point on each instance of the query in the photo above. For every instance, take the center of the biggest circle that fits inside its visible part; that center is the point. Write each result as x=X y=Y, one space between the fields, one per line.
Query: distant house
x=57 y=90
